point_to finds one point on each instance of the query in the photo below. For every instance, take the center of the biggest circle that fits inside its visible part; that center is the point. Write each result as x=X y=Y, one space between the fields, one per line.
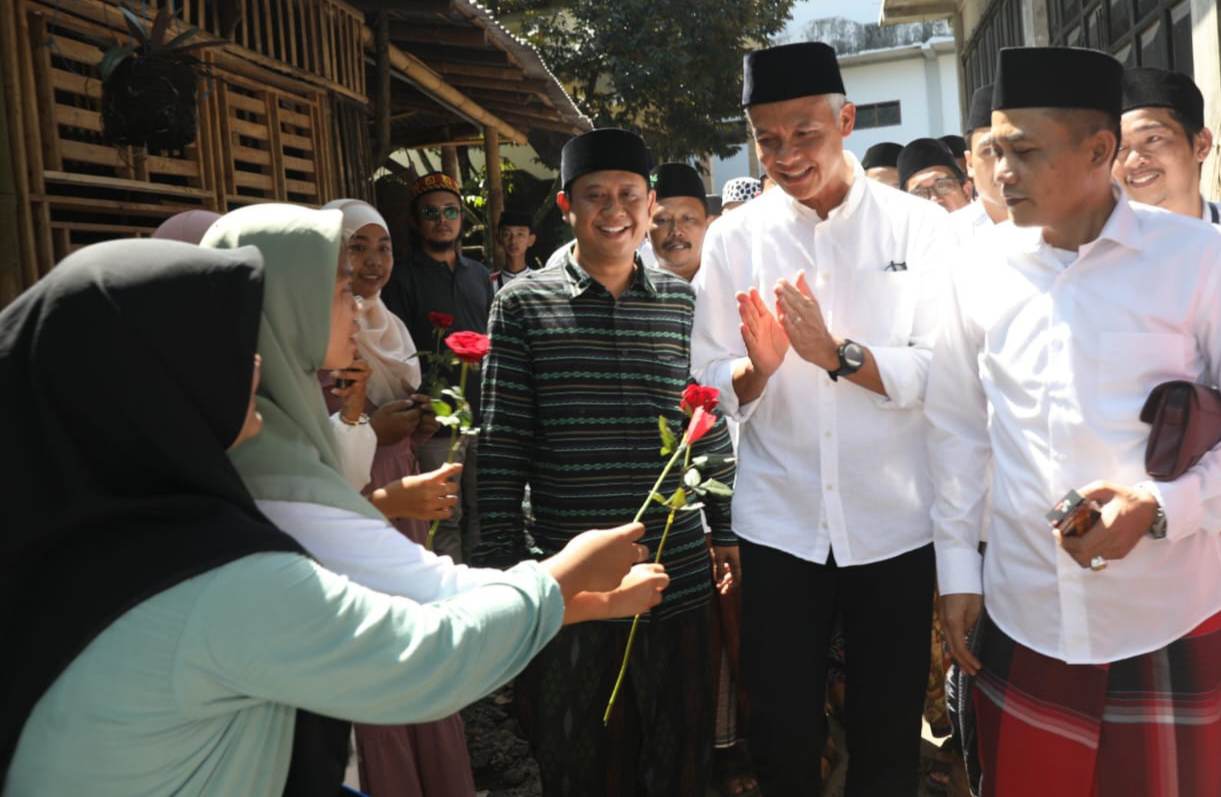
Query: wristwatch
x=851 y=359
x=1157 y=530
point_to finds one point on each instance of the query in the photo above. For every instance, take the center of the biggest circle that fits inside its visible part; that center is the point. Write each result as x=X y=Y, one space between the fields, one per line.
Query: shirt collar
x=579 y=280
x=1122 y=228
x=852 y=200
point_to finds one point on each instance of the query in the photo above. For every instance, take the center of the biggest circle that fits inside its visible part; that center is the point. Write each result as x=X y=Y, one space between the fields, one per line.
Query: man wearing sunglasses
x=928 y=170
x=438 y=278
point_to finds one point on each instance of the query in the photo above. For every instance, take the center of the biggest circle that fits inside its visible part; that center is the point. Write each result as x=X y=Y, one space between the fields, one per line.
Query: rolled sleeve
x=904 y=373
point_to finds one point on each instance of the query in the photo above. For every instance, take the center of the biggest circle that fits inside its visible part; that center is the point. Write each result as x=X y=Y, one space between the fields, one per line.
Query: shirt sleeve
x=1192 y=502
x=373 y=553
x=716 y=339
x=904 y=369
x=355 y=445
x=959 y=450
x=506 y=442
x=283 y=629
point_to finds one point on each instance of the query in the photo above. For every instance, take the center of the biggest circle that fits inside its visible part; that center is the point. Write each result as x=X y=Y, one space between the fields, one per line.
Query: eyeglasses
x=434 y=214
x=943 y=186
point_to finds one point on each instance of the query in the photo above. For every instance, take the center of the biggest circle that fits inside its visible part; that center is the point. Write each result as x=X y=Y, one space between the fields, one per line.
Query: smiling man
x=826 y=371
x=1095 y=651
x=1164 y=143
x=679 y=220
x=586 y=354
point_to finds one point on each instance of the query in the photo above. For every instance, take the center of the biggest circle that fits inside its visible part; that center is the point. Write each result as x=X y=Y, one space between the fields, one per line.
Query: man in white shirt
x=832 y=495
x=928 y=169
x=1164 y=143
x=988 y=209
x=1096 y=651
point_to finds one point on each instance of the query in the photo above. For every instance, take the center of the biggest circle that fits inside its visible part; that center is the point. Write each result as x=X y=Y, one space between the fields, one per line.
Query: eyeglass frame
x=942 y=186
x=433 y=214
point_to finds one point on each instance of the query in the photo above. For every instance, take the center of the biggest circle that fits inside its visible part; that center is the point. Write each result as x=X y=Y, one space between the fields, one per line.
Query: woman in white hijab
x=428 y=759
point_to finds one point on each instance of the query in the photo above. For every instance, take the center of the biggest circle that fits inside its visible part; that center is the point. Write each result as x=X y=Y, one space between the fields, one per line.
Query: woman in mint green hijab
x=292 y=469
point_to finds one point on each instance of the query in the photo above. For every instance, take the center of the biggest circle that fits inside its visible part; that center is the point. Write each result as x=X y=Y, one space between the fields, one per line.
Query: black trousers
x=788 y=608
x=659 y=741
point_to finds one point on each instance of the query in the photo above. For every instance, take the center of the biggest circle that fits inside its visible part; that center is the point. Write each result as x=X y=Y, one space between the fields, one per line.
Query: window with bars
x=1137 y=32
x=1001 y=26
x=878 y=114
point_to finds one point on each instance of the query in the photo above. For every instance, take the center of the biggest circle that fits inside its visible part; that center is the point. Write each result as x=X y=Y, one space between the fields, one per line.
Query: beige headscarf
x=384 y=342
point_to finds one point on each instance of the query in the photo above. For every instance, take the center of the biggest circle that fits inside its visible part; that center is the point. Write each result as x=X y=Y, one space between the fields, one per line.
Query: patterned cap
x=435 y=181
x=741 y=189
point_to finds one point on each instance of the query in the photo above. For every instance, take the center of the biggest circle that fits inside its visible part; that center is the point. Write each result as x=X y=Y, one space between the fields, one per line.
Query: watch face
x=854 y=355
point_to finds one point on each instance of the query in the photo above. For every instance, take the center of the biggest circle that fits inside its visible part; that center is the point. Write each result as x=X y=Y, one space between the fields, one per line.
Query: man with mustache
x=827 y=376
x=1164 y=143
x=1095 y=647
x=679 y=220
x=437 y=278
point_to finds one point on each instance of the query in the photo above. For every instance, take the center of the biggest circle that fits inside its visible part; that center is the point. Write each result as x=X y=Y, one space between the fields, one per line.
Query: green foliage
x=151 y=41
x=670 y=69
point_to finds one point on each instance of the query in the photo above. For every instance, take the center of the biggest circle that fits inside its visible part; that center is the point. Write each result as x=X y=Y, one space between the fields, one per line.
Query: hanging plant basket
x=149 y=88
x=151 y=101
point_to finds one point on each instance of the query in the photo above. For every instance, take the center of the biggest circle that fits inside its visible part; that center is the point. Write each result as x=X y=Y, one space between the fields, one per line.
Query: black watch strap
x=846 y=367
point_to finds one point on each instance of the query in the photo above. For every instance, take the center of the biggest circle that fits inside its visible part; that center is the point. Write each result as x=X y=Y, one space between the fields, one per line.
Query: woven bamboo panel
x=272 y=144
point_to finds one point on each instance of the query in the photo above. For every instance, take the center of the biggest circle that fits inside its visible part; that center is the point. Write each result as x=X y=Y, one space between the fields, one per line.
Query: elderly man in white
x=832 y=496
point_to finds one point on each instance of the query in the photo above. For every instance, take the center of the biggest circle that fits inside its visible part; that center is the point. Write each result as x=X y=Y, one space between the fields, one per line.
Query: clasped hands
x=798 y=323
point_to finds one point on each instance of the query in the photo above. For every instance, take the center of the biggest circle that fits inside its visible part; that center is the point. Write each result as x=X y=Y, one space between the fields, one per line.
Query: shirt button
x=830 y=488
x=828 y=435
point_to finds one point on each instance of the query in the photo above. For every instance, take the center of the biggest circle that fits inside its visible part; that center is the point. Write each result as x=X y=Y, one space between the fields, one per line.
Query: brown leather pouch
x=1186 y=421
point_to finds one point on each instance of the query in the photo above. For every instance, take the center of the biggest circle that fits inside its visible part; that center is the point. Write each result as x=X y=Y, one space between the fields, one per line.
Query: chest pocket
x=1131 y=364
x=882 y=308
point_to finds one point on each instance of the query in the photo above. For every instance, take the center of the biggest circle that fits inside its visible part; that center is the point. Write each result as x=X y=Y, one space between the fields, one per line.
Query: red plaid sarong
x=1148 y=726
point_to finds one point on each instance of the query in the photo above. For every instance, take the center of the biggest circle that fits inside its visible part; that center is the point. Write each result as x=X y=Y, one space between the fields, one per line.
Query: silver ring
x=1098 y=564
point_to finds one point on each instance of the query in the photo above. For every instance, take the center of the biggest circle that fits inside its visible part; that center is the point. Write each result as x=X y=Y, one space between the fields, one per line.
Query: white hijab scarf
x=384 y=342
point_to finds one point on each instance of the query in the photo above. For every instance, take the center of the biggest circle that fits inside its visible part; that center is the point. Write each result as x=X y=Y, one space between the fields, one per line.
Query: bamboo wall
x=278 y=121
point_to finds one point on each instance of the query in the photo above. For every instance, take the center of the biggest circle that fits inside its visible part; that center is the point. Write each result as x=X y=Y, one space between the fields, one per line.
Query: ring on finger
x=1098 y=564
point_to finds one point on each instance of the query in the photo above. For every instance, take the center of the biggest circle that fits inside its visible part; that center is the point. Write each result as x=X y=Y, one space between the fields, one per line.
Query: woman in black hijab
x=158 y=630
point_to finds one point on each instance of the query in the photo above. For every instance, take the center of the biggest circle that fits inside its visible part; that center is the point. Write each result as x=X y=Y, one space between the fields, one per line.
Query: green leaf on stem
x=717 y=488
x=696 y=507
x=678 y=500
x=692 y=479
x=450 y=421
x=455 y=394
x=442 y=408
x=659 y=498
x=668 y=440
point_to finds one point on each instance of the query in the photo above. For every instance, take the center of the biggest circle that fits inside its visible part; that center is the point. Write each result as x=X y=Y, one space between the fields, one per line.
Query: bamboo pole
x=496 y=197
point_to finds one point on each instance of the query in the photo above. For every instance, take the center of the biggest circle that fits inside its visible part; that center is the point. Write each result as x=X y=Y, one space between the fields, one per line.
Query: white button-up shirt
x=1041 y=371
x=971 y=219
x=828 y=465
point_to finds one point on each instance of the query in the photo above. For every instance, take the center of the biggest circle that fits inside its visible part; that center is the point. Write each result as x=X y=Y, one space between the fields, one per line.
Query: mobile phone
x=1073 y=515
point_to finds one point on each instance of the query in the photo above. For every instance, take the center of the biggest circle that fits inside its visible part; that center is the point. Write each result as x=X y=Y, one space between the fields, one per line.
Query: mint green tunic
x=192 y=692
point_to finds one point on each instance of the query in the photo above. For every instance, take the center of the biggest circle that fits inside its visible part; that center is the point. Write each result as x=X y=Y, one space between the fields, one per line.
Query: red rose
x=440 y=320
x=701 y=422
x=699 y=396
x=471 y=347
